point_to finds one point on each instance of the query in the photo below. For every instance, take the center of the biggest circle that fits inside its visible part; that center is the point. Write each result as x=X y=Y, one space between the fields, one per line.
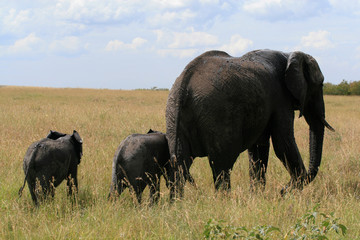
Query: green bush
x=343 y=88
x=355 y=88
x=329 y=89
x=312 y=225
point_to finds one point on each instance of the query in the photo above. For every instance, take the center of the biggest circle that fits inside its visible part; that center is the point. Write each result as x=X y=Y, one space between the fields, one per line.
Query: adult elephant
x=221 y=105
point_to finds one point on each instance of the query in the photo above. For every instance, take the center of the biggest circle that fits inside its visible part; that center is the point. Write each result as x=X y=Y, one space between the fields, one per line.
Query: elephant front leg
x=72 y=183
x=154 y=190
x=258 y=160
x=287 y=151
x=72 y=186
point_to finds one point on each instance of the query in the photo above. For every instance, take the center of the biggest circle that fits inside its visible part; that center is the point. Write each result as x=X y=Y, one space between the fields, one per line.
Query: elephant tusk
x=327 y=125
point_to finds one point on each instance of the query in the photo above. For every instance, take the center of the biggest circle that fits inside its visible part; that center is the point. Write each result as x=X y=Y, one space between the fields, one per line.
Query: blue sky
x=129 y=44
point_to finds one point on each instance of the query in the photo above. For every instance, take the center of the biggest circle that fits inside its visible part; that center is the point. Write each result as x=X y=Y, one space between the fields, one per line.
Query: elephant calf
x=140 y=160
x=49 y=161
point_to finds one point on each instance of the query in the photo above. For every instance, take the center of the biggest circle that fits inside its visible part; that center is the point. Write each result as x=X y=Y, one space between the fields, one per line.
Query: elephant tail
x=119 y=178
x=31 y=163
x=22 y=188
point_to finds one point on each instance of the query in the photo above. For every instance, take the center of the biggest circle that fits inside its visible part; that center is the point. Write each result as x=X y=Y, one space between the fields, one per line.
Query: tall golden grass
x=104 y=118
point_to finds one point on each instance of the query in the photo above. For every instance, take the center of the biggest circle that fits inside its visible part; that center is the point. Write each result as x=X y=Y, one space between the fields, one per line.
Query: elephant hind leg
x=138 y=190
x=47 y=187
x=116 y=189
x=221 y=165
x=258 y=161
x=32 y=186
x=41 y=188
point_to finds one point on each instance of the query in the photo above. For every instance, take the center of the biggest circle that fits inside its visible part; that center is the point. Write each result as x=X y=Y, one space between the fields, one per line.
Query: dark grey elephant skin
x=50 y=161
x=221 y=106
x=140 y=160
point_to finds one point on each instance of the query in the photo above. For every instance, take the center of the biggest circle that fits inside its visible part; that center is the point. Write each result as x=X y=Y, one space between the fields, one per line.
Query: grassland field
x=104 y=118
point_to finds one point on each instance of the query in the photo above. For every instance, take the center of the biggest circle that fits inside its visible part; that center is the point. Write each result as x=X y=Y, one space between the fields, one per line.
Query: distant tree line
x=343 y=88
x=152 y=89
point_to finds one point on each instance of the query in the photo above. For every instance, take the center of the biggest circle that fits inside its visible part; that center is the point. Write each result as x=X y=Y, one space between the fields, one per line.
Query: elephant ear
x=302 y=74
x=50 y=135
x=55 y=135
x=295 y=80
x=77 y=137
x=78 y=144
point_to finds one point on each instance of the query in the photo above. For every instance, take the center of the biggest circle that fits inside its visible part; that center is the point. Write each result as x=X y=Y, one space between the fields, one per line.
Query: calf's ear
x=55 y=135
x=150 y=131
x=78 y=147
x=77 y=137
x=50 y=134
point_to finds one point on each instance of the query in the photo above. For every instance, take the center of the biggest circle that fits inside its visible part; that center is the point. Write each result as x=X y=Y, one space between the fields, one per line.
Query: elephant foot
x=293 y=184
x=223 y=184
x=257 y=186
x=284 y=191
x=113 y=196
x=176 y=193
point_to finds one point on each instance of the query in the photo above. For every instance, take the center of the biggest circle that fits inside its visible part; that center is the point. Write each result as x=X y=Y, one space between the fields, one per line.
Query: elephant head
x=304 y=80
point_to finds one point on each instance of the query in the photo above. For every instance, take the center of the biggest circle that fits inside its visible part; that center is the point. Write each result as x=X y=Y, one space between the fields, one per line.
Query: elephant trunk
x=316 y=144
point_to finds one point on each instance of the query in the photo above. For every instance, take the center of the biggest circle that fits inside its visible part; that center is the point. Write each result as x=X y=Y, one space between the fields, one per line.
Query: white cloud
x=58 y=19
x=173 y=14
x=260 y=6
x=348 y=6
x=284 y=9
x=237 y=45
x=180 y=53
x=318 y=40
x=115 y=45
x=183 y=44
x=121 y=11
x=186 y=39
x=187 y=44
x=34 y=47
x=165 y=18
x=171 y=4
x=25 y=45
x=14 y=20
x=209 y=1
x=192 y=39
x=96 y=11
x=68 y=45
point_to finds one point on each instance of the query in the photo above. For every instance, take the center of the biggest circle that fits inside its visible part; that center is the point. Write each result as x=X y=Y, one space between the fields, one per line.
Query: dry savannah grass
x=104 y=118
